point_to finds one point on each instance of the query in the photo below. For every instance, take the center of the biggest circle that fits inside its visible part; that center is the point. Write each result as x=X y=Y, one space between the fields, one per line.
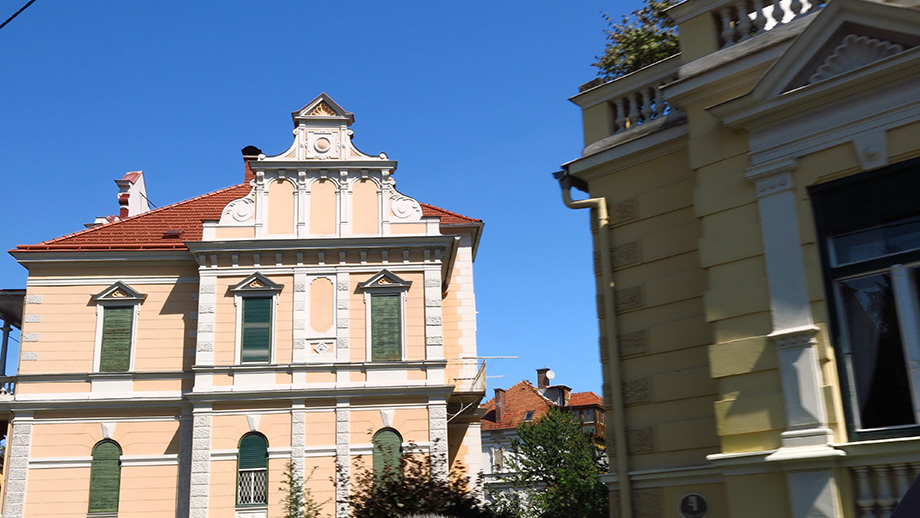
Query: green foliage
x=644 y=37
x=555 y=468
x=412 y=489
x=298 y=501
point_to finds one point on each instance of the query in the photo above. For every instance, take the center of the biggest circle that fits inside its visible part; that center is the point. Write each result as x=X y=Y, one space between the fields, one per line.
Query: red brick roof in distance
x=585 y=399
x=519 y=399
x=154 y=230
x=524 y=397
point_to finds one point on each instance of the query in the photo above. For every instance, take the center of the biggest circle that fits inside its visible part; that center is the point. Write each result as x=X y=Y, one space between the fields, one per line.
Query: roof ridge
x=131 y=218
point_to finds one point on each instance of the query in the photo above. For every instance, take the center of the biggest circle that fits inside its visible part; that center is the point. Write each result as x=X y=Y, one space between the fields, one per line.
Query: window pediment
x=256 y=284
x=119 y=292
x=384 y=279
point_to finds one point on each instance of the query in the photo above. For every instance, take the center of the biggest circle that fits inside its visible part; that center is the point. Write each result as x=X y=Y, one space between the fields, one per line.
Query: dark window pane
x=386 y=327
x=257 y=330
x=115 y=355
x=876 y=355
x=387 y=450
x=870 y=243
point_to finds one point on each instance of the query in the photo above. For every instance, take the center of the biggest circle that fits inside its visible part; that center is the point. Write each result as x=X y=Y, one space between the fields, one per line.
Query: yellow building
x=175 y=361
x=757 y=257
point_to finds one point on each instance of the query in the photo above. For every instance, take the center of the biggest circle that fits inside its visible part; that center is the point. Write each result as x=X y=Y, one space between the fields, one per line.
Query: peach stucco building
x=174 y=361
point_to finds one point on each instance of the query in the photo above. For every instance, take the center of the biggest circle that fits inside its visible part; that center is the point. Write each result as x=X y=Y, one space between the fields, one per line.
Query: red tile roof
x=152 y=230
x=585 y=399
x=519 y=399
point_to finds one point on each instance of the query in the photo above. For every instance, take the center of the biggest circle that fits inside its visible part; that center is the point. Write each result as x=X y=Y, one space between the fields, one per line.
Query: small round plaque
x=694 y=505
x=322 y=144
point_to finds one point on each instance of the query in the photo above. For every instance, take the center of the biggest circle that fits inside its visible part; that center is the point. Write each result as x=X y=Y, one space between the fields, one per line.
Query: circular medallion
x=694 y=505
x=322 y=144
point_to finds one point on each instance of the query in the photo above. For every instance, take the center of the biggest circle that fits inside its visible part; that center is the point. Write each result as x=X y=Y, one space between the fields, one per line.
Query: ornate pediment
x=119 y=292
x=323 y=108
x=384 y=279
x=854 y=52
x=257 y=283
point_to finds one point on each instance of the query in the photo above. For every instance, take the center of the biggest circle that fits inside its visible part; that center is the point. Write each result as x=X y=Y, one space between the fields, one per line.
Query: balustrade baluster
x=728 y=32
x=646 y=105
x=885 y=498
x=796 y=7
x=778 y=12
x=901 y=481
x=744 y=21
x=759 y=20
x=621 y=115
x=659 y=101
x=866 y=500
x=633 y=110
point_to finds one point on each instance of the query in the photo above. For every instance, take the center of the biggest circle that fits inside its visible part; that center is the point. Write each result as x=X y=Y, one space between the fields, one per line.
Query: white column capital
x=772 y=177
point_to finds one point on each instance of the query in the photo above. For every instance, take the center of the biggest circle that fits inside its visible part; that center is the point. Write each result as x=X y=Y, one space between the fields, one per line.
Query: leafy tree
x=412 y=489
x=298 y=501
x=644 y=37
x=555 y=468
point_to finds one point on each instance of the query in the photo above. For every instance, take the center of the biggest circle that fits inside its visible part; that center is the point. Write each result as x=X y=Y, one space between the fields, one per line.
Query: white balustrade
x=879 y=488
x=742 y=19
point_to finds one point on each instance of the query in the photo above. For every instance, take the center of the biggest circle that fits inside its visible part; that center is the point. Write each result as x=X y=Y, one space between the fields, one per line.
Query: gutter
x=615 y=381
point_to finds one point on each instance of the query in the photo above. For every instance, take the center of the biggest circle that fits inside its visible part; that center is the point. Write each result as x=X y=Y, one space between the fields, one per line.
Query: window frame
x=118 y=295
x=256 y=286
x=94 y=466
x=384 y=283
x=239 y=451
x=837 y=195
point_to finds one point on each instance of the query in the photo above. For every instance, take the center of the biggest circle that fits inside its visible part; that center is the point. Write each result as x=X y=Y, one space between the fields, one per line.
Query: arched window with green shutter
x=387 y=451
x=252 y=470
x=105 y=477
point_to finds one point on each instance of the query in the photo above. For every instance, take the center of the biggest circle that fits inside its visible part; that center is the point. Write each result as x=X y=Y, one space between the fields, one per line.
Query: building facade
x=175 y=361
x=754 y=223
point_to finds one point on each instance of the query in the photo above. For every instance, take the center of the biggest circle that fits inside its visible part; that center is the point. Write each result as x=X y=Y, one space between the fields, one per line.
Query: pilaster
x=201 y=462
x=437 y=434
x=342 y=457
x=18 y=471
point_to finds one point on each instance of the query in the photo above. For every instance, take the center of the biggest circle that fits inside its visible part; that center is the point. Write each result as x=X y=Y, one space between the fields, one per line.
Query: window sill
x=102 y=515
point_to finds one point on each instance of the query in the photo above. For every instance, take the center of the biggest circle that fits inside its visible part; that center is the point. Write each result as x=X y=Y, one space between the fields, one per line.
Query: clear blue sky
x=470 y=97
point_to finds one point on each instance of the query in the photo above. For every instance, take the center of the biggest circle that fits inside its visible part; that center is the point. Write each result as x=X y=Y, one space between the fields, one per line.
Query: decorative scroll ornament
x=852 y=53
x=405 y=207
x=240 y=210
x=322 y=110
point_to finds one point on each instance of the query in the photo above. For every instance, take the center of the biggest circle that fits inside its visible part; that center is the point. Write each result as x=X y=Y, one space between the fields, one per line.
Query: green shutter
x=116 y=339
x=257 y=330
x=105 y=478
x=253 y=452
x=387 y=450
x=386 y=327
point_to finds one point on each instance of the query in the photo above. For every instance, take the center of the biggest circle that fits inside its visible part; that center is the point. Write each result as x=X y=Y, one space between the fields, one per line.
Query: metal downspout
x=610 y=330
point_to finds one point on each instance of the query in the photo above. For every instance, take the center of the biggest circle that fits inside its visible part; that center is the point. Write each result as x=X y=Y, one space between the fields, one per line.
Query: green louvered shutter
x=252 y=471
x=386 y=327
x=116 y=339
x=105 y=478
x=257 y=330
x=253 y=451
x=387 y=445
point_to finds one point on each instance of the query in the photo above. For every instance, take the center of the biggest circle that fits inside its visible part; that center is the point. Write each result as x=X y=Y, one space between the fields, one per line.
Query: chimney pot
x=499 y=405
x=542 y=380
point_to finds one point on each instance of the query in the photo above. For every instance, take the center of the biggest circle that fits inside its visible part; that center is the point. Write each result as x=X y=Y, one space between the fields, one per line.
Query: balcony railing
x=739 y=20
x=879 y=488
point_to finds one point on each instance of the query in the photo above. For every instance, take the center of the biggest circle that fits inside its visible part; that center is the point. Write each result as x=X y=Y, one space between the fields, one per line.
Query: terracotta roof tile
x=149 y=231
x=585 y=399
x=519 y=399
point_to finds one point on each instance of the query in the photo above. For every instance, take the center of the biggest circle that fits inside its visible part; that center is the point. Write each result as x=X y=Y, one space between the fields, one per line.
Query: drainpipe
x=610 y=331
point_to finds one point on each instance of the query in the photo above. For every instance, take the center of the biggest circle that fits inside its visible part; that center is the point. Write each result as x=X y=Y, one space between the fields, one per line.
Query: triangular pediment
x=847 y=35
x=257 y=283
x=119 y=292
x=384 y=279
x=322 y=108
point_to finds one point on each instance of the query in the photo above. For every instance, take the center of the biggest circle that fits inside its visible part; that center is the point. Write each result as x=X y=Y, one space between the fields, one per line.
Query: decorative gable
x=845 y=36
x=322 y=108
x=257 y=284
x=385 y=279
x=119 y=292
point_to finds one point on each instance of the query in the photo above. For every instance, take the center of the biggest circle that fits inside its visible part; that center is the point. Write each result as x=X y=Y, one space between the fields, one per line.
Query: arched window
x=105 y=477
x=252 y=470
x=387 y=451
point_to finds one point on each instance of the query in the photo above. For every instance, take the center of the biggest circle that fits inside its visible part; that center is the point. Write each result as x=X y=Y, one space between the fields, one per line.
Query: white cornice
x=74 y=256
x=629 y=154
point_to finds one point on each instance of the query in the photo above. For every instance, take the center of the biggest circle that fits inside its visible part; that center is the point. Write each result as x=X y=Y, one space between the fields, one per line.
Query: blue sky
x=470 y=97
